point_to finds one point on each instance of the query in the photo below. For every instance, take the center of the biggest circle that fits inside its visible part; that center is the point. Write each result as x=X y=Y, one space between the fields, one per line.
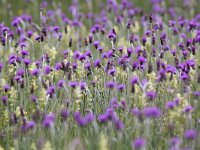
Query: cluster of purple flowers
x=83 y=121
x=114 y=63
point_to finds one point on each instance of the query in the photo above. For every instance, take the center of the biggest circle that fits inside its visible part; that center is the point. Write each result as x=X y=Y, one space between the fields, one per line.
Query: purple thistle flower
x=47 y=69
x=61 y=83
x=4 y=100
x=123 y=104
x=184 y=77
x=56 y=28
x=119 y=124
x=82 y=57
x=123 y=61
x=188 y=109
x=110 y=84
x=110 y=54
x=80 y=121
x=33 y=98
x=151 y=95
x=20 y=72
x=24 y=52
x=134 y=80
x=100 y=49
x=174 y=141
x=82 y=85
x=48 y=120
x=87 y=53
x=197 y=93
x=18 y=79
x=139 y=143
x=77 y=54
x=112 y=71
x=142 y=60
x=151 y=112
x=6 y=87
x=65 y=53
x=170 y=105
x=96 y=44
x=97 y=63
x=35 y=72
x=30 y=125
x=129 y=51
x=73 y=84
x=58 y=66
x=87 y=66
x=64 y=114
x=111 y=114
x=29 y=34
x=136 y=111
x=51 y=91
x=27 y=61
x=162 y=75
x=103 y=118
x=121 y=87
x=114 y=104
x=111 y=36
x=190 y=134
x=89 y=118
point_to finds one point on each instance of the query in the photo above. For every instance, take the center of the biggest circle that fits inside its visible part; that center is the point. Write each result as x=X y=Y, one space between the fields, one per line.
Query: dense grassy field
x=99 y=74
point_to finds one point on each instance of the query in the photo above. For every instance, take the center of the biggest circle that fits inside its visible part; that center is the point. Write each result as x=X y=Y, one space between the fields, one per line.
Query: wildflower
x=20 y=72
x=58 y=66
x=82 y=85
x=100 y=49
x=48 y=120
x=27 y=62
x=80 y=121
x=129 y=51
x=61 y=83
x=51 y=91
x=123 y=104
x=4 y=100
x=89 y=117
x=139 y=143
x=141 y=60
x=110 y=84
x=97 y=63
x=188 y=109
x=33 y=98
x=6 y=87
x=119 y=124
x=64 y=114
x=197 y=93
x=174 y=142
x=134 y=80
x=190 y=134
x=30 y=125
x=112 y=72
x=35 y=72
x=170 y=105
x=24 y=52
x=136 y=111
x=96 y=44
x=151 y=95
x=73 y=84
x=47 y=69
x=121 y=87
x=151 y=112
x=114 y=104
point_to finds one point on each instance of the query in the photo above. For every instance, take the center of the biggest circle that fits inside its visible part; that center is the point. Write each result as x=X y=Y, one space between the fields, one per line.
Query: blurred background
x=10 y=8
